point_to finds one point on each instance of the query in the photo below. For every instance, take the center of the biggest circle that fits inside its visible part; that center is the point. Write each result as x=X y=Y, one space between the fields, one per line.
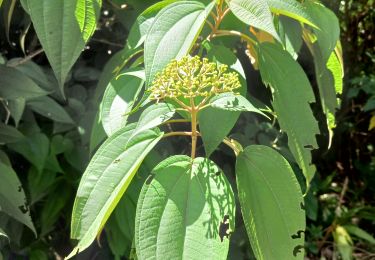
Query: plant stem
x=177 y=134
x=176 y=121
x=234 y=33
x=194 y=133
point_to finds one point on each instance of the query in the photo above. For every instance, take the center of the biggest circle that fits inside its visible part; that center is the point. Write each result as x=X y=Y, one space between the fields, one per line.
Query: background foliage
x=47 y=138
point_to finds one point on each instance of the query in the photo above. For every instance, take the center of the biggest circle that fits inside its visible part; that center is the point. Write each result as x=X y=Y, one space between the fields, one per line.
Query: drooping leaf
x=172 y=34
x=49 y=108
x=293 y=9
x=292 y=96
x=12 y=197
x=322 y=43
x=34 y=148
x=14 y=84
x=118 y=101
x=254 y=13
x=154 y=115
x=271 y=203
x=113 y=167
x=233 y=102
x=185 y=210
x=9 y=134
x=63 y=28
x=213 y=136
x=142 y=25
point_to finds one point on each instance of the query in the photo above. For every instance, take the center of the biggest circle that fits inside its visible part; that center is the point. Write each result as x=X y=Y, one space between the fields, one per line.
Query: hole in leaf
x=298 y=234
x=23 y=208
x=309 y=146
x=297 y=249
x=302 y=206
x=224 y=230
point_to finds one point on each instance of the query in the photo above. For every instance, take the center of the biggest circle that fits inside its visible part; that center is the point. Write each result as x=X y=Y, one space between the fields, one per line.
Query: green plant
x=186 y=205
x=179 y=69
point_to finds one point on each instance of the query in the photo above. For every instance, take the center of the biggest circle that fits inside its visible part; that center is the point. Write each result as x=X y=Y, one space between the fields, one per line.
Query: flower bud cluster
x=192 y=77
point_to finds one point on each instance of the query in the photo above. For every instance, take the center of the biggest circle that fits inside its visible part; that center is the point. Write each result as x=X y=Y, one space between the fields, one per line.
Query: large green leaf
x=213 y=136
x=49 y=108
x=142 y=25
x=271 y=203
x=9 y=134
x=254 y=13
x=172 y=34
x=118 y=101
x=292 y=96
x=291 y=8
x=106 y=179
x=63 y=28
x=185 y=210
x=14 y=84
x=12 y=197
x=360 y=233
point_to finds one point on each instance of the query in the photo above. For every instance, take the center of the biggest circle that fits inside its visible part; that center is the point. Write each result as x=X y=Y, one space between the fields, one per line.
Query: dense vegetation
x=56 y=112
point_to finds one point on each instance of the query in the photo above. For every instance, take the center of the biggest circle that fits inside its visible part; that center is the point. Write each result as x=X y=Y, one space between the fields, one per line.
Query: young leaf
x=21 y=85
x=233 y=102
x=185 y=210
x=271 y=203
x=172 y=34
x=49 y=108
x=118 y=101
x=9 y=134
x=142 y=25
x=293 y=9
x=113 y=167
x=254 y=13
x=12 y=197
x=289 y=83
x=63 y=28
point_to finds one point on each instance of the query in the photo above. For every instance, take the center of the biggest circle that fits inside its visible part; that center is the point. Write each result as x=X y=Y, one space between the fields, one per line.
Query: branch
x=26 y=59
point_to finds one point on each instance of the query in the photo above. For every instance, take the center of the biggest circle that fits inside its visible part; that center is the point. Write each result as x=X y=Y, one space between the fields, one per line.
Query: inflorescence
x=192 y=77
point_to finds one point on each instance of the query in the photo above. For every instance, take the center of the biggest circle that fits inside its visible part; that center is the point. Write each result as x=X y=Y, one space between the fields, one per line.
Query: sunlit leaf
x=106 y=179
x=254 y=13
x=173 y=34
x=185 y=210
